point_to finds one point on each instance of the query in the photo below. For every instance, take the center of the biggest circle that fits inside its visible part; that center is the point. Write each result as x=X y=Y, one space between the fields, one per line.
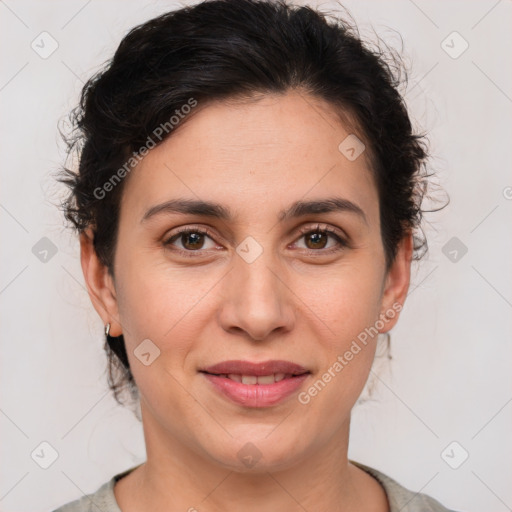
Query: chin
x=259 y=452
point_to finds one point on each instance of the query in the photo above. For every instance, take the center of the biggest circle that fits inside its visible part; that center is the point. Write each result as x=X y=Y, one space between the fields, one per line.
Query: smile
x=257 y=379
x=255 y=384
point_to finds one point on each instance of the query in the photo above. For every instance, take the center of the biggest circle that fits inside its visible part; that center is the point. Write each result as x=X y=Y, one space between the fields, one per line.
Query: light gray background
x=450 y=377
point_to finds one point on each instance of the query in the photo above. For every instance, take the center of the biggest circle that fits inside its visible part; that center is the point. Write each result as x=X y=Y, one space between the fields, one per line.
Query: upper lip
x=257 y=369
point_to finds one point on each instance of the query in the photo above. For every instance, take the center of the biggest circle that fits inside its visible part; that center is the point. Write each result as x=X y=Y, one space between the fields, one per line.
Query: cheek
x=346 y=300
x=167 y=308
x=346 y=304
x=160 y=303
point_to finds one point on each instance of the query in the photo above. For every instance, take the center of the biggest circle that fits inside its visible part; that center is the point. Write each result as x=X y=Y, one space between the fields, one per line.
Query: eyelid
x=324 y=228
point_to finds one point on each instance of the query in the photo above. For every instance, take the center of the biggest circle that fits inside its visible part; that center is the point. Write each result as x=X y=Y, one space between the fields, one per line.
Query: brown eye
x=190 y=240
x=321 y=240
x=316 y=240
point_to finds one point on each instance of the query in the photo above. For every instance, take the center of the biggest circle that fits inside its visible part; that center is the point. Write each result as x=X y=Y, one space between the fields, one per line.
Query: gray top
x=400 y=499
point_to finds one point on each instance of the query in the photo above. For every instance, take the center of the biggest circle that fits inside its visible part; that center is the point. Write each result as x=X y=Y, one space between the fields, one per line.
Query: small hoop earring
x=116 y=344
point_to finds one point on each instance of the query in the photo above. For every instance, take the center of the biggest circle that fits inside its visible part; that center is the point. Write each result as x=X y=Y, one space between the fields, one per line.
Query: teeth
x=253 y=379
x=266 y=379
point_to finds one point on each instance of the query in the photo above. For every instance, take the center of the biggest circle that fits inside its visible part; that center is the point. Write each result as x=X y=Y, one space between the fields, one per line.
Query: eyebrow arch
x=215 y=210
x=190 y=207
x=334 y=204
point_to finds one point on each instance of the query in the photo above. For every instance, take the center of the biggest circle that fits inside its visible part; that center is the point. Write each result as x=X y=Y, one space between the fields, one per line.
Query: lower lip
x=256 y=395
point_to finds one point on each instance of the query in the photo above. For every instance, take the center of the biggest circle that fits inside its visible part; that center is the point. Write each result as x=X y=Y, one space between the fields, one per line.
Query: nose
x=257 y=301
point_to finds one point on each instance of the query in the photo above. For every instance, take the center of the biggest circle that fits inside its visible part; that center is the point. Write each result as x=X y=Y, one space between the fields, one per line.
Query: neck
x=178 y=478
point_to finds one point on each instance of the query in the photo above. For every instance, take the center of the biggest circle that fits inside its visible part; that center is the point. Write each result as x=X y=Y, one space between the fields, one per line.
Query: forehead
x=270 y=151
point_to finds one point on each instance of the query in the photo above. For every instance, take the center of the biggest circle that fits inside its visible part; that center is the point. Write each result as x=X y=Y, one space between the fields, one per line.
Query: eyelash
x=342 y=243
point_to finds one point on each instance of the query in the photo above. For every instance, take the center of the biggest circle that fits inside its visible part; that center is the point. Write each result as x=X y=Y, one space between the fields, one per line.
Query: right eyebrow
x=190 y=207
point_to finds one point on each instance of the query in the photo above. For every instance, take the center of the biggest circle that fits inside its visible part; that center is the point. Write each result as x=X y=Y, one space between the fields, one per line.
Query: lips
x=247 y=368
x=256 y=384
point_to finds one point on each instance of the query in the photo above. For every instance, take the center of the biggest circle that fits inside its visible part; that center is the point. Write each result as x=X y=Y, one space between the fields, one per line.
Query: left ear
x=396 y=284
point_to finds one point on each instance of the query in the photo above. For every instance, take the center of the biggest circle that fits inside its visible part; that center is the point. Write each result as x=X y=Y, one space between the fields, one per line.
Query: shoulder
x=99 y=500
x=402 y=499
x=103 y=499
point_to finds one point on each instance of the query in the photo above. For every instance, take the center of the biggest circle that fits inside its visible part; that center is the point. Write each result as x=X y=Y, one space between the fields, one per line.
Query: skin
x=305 y=306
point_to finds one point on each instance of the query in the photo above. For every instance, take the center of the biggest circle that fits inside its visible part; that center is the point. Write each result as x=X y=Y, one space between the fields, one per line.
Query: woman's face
x=266 y=283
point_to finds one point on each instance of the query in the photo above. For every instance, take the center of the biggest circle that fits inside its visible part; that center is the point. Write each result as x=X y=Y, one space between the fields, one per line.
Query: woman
x=247 y=198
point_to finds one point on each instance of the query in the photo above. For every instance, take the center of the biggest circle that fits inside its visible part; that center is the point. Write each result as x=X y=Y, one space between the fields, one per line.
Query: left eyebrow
x=216 y=210
x=335 y=204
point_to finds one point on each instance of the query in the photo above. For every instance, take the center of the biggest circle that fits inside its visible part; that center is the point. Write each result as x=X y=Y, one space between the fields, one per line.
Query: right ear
x=100 y=284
